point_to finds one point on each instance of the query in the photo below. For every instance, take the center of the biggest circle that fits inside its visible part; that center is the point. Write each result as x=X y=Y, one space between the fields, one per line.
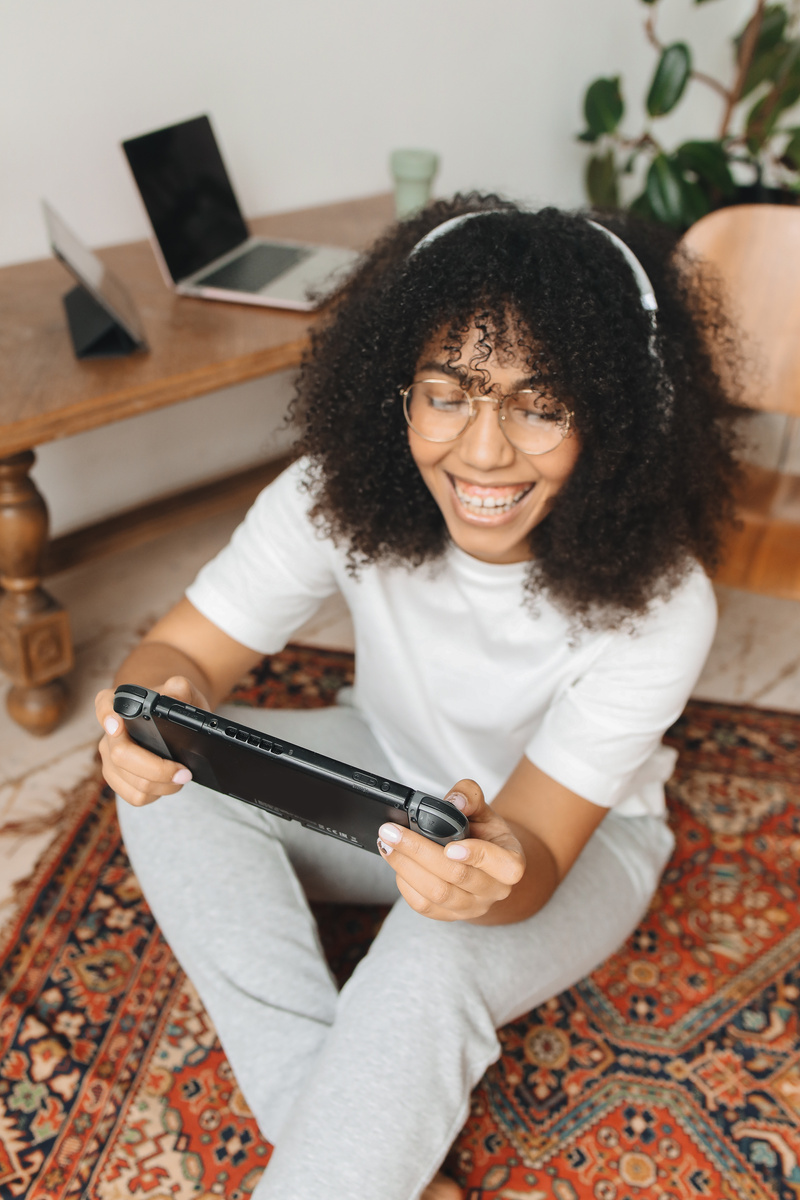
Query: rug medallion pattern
x=673 y=1071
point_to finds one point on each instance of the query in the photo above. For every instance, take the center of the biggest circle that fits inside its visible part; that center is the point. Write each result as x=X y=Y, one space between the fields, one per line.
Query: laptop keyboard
x=255 y=269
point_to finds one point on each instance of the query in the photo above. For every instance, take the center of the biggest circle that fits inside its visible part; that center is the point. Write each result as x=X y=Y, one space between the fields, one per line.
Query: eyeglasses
x=440 y=411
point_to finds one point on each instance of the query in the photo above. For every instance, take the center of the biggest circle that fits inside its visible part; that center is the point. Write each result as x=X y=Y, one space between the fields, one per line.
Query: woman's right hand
x=136 y=774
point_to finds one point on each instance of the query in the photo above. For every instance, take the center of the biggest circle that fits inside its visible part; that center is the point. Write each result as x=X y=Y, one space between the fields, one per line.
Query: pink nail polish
x=390 y=833
x=182 y=775
x=111 y=725
x=458 y=799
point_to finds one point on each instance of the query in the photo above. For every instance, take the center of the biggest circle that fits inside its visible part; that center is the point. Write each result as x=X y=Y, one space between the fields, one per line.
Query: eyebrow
x=463 y=375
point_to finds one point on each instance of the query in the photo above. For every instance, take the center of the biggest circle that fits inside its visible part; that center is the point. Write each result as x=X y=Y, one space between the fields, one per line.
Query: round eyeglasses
x=440 y=411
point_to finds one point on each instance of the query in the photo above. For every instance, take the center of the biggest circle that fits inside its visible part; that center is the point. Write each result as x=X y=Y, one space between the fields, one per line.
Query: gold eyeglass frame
x=473 y=412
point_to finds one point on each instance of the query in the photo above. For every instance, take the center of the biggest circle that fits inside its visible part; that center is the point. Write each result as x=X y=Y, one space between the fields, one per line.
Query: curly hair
x=652 y=487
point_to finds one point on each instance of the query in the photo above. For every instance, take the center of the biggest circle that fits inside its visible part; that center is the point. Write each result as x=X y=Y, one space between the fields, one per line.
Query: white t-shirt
x=455 y=674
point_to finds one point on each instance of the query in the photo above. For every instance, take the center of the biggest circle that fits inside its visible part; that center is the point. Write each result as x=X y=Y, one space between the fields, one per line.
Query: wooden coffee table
x=196 y=346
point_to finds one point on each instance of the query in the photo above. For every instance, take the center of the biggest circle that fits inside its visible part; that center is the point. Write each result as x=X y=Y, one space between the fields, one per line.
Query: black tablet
x=287 y=780
x=102 y=285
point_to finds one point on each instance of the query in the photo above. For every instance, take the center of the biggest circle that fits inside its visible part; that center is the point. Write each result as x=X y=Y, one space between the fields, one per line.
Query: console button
x=253 y=740
x=127 y=706
x=362 y=778
x=230 y=730
x=442 y=806
x=137 y=691
x=241 y=735
x=438 y=826
x=276 y=748
x=189 y=715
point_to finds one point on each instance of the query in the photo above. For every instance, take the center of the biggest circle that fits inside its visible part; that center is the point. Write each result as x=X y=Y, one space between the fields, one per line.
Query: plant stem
x=746 y=52
x=641 y=143
x=652 y=36
x=709 y=81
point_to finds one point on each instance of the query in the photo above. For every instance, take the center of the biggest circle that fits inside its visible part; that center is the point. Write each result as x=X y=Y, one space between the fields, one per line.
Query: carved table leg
x=35 y=643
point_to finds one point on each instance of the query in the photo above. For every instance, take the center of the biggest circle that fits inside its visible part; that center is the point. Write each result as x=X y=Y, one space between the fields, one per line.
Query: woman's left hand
x=460 y=881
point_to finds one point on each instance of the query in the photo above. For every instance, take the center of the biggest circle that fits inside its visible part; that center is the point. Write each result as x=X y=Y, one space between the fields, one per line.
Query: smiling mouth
x=489 y=501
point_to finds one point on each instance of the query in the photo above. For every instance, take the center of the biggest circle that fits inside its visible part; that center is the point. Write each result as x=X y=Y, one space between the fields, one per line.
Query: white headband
x=646 y=292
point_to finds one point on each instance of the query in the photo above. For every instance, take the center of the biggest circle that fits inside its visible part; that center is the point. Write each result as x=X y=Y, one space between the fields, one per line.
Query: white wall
x=308 y=97
x=87 y=477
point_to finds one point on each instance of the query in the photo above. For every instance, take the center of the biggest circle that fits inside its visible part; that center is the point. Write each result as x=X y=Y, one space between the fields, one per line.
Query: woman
x=515 y=457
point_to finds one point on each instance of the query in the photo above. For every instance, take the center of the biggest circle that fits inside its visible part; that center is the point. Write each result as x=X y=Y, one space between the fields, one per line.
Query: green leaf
x=788 y=80
x=765 y=65
x=641 y=207
x=760 y=122
x=587 y=136
x=792 y=151
x=603 y=106
x=785 y=92
x=670 y=79
x=709 y=162
x=630 y=161
x=601 y=180
x=773 y=25
x=696 y=201
x=664 y=191
x=770 y=49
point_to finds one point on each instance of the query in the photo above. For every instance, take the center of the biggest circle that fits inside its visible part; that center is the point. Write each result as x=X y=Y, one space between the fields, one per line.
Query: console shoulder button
x=438 y=826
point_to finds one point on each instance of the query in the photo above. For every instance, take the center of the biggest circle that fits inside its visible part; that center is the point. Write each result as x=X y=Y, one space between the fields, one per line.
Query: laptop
x=202 y=243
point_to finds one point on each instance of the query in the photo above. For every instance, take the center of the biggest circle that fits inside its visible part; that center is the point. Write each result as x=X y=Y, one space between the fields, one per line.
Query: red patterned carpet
x=672 y=1072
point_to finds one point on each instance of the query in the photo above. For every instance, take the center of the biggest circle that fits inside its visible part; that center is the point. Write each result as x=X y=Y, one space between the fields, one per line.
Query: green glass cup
x=413 y=173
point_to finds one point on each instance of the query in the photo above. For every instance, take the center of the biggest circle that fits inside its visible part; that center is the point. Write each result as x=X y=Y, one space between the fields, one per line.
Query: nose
x=483 y=444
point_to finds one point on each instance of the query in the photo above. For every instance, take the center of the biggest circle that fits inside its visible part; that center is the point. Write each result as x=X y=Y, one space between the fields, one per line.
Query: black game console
x=284 y=779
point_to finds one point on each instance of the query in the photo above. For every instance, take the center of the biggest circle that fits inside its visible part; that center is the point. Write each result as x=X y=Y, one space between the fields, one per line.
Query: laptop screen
x=188 y=196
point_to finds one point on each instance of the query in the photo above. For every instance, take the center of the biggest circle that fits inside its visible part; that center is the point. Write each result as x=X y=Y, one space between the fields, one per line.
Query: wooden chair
x=755 y=250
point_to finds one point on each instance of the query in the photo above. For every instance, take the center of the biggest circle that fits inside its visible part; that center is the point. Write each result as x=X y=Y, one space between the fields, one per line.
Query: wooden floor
x=763 y=555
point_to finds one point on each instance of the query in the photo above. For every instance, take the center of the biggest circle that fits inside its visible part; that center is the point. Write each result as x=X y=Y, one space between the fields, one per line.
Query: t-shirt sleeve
x=602 y=732
x=273 y=574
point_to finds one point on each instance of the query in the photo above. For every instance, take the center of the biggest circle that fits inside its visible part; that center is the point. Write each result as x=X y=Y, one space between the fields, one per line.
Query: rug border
x=78 y=802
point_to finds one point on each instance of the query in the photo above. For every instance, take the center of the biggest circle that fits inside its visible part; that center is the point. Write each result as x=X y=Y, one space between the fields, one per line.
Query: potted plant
x=755 y=156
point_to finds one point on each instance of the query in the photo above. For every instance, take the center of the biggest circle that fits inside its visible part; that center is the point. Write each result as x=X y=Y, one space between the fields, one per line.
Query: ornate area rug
x=672 y=1072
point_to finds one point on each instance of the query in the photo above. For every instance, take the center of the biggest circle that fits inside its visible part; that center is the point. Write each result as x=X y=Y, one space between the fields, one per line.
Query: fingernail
x=453 y=850
x=111 y=725
x=457 y=799
x=390 y=833
x=386 y=849
x=182 y=775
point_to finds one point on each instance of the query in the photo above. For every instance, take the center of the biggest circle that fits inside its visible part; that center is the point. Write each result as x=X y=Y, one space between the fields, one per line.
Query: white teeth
x=481 y=503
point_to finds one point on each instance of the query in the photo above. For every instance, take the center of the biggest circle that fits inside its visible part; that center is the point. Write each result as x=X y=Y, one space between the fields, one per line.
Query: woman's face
x=491 y=494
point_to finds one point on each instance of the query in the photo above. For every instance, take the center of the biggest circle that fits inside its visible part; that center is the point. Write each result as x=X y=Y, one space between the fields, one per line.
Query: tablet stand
x=94 y=332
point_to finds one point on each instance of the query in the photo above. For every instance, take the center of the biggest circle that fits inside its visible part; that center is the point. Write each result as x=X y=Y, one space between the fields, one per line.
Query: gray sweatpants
x=361 y=1091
